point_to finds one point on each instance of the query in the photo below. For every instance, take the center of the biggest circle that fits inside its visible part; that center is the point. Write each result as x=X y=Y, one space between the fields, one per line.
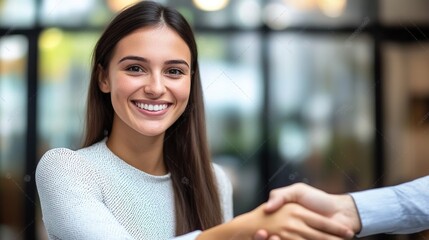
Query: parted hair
x=186 y=153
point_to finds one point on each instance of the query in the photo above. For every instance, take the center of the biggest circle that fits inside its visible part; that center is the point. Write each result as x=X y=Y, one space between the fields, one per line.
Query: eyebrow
x=142 y=59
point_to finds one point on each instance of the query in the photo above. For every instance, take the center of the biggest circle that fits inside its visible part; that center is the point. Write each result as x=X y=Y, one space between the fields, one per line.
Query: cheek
x=183 y=92
x=122 y=86
x=121 y=90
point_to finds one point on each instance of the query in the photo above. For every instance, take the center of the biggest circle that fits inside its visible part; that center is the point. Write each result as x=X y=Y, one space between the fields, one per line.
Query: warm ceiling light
x=211 y=5
x=118 y=5
x=332 y=8
x=276 y=16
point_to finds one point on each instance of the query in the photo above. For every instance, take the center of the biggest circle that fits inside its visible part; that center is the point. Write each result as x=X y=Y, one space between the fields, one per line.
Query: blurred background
x=333 y=93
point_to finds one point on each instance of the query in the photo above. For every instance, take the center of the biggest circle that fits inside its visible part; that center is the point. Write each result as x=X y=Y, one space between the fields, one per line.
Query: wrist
x=238 y=228
x=351 y=212
x=246 y=224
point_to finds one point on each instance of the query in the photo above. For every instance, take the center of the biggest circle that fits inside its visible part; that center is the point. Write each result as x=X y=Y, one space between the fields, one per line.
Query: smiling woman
x=144 y=171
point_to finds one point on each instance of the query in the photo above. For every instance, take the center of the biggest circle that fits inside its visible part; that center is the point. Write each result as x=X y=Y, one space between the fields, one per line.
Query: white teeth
x=151 y=107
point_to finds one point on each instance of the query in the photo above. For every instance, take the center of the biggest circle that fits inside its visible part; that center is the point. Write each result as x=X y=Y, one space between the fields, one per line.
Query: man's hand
x=340 y=208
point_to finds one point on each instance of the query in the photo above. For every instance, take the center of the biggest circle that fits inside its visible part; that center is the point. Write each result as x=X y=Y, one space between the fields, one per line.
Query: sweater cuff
x=189 y=236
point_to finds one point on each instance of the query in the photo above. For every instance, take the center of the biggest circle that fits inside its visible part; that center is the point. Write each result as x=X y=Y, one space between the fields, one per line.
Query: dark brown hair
x=186 y=154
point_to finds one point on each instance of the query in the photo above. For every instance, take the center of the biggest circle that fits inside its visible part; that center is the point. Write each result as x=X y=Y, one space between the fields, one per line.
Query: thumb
x=273 y=204
x=280 y=196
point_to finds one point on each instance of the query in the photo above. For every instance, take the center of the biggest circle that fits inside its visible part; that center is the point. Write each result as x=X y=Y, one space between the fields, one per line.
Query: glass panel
x=277 y=14
x=232 y=85
x=280 y=14
x=398 y=12
x=65 y=65
x=17 y=13
x=75 y=13
x=13 y=100
x=322 y=116
x=201 y=13
x=223 y=13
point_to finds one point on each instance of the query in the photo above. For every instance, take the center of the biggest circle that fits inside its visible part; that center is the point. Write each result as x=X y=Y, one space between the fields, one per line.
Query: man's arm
x=398 y=209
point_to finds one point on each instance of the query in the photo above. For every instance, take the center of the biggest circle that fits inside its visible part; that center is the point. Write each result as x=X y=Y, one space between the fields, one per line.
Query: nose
x=154 y=87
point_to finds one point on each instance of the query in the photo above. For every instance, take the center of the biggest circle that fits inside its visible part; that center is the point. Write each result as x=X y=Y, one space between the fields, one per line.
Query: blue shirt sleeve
x=399 y=209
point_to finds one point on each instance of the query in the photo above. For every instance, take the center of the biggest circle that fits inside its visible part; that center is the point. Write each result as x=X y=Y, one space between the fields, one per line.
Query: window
x=13 y=115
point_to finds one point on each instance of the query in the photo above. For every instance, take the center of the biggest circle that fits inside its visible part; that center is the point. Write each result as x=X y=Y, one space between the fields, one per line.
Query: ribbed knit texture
x=93 y=194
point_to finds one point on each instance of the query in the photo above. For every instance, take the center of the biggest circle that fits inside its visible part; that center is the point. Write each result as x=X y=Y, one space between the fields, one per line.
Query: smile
x=151 y=107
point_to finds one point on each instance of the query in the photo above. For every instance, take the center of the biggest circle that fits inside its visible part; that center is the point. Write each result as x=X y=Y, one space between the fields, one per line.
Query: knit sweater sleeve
x=71 y=201
x=225 y=192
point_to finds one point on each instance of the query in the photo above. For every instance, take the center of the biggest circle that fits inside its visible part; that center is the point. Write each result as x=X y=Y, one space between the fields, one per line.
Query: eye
x=175 y=72
x=134 y=68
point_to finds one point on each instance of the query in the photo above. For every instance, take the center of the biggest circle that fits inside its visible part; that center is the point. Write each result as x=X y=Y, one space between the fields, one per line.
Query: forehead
x=155 y=42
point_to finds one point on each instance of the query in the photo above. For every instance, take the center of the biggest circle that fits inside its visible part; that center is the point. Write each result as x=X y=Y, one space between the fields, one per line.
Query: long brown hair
x=186 y=154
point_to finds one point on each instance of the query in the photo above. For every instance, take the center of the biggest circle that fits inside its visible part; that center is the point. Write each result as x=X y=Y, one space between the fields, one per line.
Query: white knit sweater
x=93 y=194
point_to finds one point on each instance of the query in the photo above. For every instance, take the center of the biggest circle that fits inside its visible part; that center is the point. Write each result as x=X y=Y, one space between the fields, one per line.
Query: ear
x=103 y=80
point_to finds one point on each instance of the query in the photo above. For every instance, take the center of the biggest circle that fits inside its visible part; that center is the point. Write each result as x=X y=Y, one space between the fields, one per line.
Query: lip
x=152 y=113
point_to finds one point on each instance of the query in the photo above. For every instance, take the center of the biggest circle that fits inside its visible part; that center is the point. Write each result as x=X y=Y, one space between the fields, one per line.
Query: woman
x=144 y=171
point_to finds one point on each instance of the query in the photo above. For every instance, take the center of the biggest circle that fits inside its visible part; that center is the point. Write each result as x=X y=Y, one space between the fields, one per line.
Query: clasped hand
x=300 y=211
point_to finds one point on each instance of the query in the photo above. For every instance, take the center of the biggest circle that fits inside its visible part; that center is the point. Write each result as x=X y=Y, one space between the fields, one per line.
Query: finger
x=313 y=234
x=289 y=235
x=278 y=197
x=319 y=226
x=274 y=237
x=261 y=235
x=330 y=226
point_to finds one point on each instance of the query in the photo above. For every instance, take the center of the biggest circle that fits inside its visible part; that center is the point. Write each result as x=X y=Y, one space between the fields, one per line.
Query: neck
x=142 y=152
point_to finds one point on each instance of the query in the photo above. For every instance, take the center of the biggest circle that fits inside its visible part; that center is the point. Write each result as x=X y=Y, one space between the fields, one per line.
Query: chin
x=152 y=132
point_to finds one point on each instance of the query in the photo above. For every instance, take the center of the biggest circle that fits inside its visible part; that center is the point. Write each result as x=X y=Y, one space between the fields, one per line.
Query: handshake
x=309 y=213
